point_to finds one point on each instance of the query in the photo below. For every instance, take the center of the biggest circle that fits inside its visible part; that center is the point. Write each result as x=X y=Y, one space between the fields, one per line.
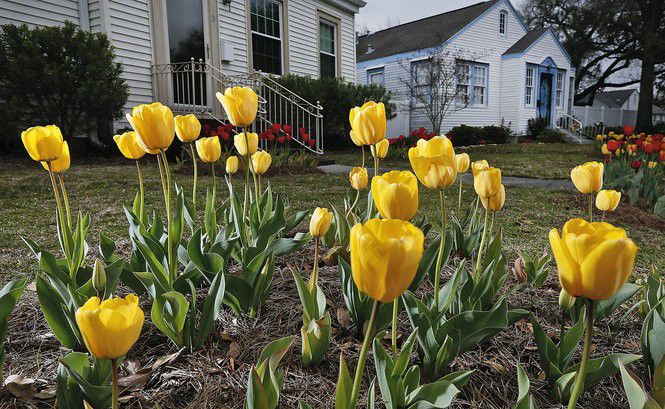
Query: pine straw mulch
x=156 y=374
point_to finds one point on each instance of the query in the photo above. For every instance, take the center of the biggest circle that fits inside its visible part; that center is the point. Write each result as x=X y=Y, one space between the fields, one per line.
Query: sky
x=380 y=14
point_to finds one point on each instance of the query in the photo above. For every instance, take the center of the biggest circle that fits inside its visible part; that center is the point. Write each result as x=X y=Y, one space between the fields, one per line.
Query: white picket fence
x=608 y=116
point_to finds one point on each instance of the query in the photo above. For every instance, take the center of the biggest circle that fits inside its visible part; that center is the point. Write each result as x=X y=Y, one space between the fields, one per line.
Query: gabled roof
x=420 y=34
x=525 y=42
x=612 y=99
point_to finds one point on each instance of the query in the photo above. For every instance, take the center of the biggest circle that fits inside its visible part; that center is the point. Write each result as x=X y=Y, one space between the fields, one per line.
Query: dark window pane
x=267 y=54
x=328 y=65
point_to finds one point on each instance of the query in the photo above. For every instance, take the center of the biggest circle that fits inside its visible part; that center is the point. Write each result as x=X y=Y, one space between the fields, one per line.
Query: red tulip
x=224 y=136
x=612 y=145
x=658 y=137
x=657 y=146
x=228 y=127
x=311 y=143
x=661 y=155
x=276 y=128
x=639 y=143
x=636 y=164
x=287 y=128
x=401 y=138
x=281 y=139
x=628 y=130
x=288 y=137
x=649 y=148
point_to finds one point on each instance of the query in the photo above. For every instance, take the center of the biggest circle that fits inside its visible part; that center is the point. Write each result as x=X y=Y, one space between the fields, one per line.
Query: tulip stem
x=459 y=196
x=214 y=184
x=169 y=239
x=191 y=147
x=141 y=193
x=591 y=208
x=376 y=163
x=355 y=202
x=602 y=218
x=362 y=149
x=394 y=328
x=581 y=374
x=59 y=213
x=314 y=279
x=492 y=223
x=248 y=164
x=369 y=336
x=114 y=384
x=442 y=246
x=66 y=200
x=482 y=243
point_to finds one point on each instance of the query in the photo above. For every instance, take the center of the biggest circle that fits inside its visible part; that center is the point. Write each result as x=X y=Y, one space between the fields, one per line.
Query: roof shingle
x=525 y=42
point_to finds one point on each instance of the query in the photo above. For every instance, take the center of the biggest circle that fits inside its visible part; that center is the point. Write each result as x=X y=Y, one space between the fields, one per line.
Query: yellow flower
x=128 y=145
x=358 y=178
x=608 y=200
x=187 y=127
x=355 y=140
x=43 y=143
x=241 y=143
x=261 y=161
x=61 y=164
x=593 y=259
x=111 y=327
x=232 y=165
x=479 y=166
x=368 y=123
x=396 y=195
x=434 y=162
x=320 y=222
x=380 y=150
x=240 y=105
x=495 y=202
x=384 y=257
x=154 y=126
x=487 y=183
x=652 y=164
x=588 y=178
x=605 y=150
x=462 y=162
x=209 y=149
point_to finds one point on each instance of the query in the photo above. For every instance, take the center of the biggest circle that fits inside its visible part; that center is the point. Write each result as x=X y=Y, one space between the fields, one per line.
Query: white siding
x=233 y=28
x=513 y=72
x=39 y=13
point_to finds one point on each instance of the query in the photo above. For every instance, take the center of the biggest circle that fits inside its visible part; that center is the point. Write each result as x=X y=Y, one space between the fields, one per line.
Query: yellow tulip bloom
x=652 y=164
x=434 y=162
x=368 y=123
x=495 y=203
x=462 y=161
x=240 y=105
x=358 y=178
x=355 y=140
x=593 y=259
x=604 y=150
x=187 y=127
x=320 y=222
x=608 y=200
x=384 y=257
x=128 y=145
x=61 y=164
x=261 y=161
x=380 y=150
x=479 y=166
x=43 y=143
x=232 y=165
x=396 y=195
x=154 y=126
x=241 y=143
x=130 y=119
x=588 y=178
x=487 y=183
x=110 y=327
x=209 y=149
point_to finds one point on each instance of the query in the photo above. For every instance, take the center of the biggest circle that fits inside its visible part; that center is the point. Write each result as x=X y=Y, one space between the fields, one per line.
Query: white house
x=181 y=51
x=511 y=75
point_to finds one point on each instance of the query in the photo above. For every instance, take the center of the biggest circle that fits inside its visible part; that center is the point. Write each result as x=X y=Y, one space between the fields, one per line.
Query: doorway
x=544 y=103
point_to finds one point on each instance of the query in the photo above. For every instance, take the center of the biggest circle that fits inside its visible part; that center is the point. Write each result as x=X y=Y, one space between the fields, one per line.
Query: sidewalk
x=555 y=184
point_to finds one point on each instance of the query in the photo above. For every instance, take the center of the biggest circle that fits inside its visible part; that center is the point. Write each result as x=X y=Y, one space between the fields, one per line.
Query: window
x=327 y=49
x=471 y=84
x=503 y=17
x=421 y=77
x=463 y=83
x=528 y=89
x=375 y=76
x=266 y=18
x=479 y=84
x=559 y=89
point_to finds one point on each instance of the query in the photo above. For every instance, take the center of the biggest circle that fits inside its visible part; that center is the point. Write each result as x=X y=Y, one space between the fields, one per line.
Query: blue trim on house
x=556 y=40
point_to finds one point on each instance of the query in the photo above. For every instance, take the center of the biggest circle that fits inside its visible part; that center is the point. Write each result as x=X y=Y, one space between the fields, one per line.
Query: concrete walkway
x=555 y=184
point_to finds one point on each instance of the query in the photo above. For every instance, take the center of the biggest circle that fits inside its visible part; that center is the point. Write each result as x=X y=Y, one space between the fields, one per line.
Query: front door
x=545 y=98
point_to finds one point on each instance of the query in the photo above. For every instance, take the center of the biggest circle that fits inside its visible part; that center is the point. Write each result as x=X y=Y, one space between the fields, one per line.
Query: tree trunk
x=645 y=106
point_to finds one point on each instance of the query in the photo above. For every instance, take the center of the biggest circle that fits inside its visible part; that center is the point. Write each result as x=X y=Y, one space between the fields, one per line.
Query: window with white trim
x=421 y=78
x=529 y=88
x=559 y=88
x=472 y=82
x=376 y=76
x=503 y=21
x=479 y=84
x=266 y=27
x=463 y=84
x=327 y=48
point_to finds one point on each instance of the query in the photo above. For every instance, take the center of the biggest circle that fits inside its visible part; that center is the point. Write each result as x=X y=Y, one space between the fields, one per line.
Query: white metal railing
x=189 y=87
x=574 y=127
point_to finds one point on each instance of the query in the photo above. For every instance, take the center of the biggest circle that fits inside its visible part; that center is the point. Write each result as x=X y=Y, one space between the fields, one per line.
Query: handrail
x=269 y=78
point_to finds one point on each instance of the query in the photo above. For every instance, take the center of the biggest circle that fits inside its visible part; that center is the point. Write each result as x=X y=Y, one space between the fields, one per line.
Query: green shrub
x=465 y=135
x=496 y=134
x=57 y=75
x=551 y=136
x=536 y=126
x=337 y=97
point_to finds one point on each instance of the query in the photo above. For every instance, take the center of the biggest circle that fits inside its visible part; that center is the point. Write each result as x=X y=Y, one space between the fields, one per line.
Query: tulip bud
x=566 y=300
x=99 y=276
x=519 y=270
x=315 y=341
x=380 y=150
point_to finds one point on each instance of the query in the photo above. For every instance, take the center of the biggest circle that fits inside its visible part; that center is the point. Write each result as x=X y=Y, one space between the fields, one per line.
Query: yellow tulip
x=187 y=127
x=240 y=105
x=487 y=183
x=593 y=259
x=479 y=166
x=608 y=200
x=434 y=162
x=652 y=164
x=209 y=149
x=139 y=142
x=380 y=150
x=128 y=145
x=368 y=123
x=61 y=164
x=396 y=195
x=43 y=143
x=261 y=161
x=495 y=202
x=385 y=254
x=358 y=178
x=604 y=150
x=320 y=222
x=588 y=178
x=154 y=126
x=232 y=165
x=462 y=162
x=110 y=327
x=355 y=140
x=241 y=143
